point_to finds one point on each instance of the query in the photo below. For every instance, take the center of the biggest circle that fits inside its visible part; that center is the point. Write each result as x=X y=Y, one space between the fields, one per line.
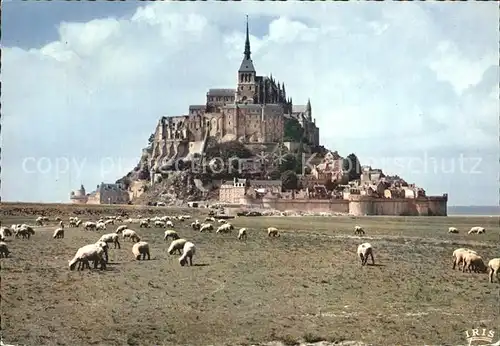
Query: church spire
x=247 y=44
x=247 y=64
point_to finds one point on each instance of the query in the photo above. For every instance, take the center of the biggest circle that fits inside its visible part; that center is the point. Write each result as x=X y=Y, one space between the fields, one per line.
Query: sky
x=411 y=88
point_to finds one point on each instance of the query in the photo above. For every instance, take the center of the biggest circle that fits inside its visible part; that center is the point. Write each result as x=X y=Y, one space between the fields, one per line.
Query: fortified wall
x=365 y=205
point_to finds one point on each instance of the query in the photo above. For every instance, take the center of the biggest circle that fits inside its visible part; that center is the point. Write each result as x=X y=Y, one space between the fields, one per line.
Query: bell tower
x=247 y=86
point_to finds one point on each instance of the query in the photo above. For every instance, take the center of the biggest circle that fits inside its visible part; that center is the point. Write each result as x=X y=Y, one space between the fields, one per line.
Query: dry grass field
x=306 y=285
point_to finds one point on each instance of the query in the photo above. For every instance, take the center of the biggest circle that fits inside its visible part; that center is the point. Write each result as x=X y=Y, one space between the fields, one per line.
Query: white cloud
x=382 y=79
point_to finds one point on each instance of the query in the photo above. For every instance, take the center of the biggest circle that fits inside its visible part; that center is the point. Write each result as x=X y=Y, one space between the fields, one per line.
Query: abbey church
x=255 y=112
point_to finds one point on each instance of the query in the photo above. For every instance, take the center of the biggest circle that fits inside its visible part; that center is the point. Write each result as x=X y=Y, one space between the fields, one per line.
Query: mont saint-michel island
x=252 y=147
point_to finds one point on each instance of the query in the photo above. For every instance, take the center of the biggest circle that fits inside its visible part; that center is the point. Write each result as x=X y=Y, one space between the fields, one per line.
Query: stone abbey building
x=254 y=112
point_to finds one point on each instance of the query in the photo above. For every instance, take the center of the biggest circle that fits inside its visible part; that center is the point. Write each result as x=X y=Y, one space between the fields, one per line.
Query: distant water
x=474 y=210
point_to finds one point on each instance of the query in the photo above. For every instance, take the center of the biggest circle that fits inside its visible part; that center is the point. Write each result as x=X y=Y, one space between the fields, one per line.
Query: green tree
x=274 y=175
x=288 y=163
x=293 y=131
x=289 y=180
x=352 y=166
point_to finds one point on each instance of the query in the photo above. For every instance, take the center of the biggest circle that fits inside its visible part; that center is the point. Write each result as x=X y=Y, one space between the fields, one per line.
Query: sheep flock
x=466 y=259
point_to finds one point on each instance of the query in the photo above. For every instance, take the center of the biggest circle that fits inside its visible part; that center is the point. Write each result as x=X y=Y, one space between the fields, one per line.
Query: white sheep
x=176 y=245
x=4 y=250
x=39 y=221
x=196 y=225
x=111 y=238
x=452 y=230
x=132 y=235
x=225 y=228
x=188 y=252
x=144 y=224
x=474 y=262
x=109 y=222
x=242 y=234
x=222 y=221
x=120 y=229
x=58 y=233
x=273 y=232
x=210 y=219
x=105 y=247
x=171 y=233
x=477 y=230
x=141 y=248
x=91 y=252
x=206 y=227
x=24 y=231
x=494 y=267
x=160 y=224
x=89 y=225
x=5 y=232
x=358 y=230
x=459 y=256
x=365 y=250
x=100 y=226
x=169 y=224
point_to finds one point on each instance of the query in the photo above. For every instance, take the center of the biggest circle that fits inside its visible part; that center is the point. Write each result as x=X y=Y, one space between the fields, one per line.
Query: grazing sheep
x=111 y=238
x=358 y=230
x=169 y=224
x=196 y=225
x=477 y=230
x=494 y=266
x=273 y=232
x=89 y=225
x=176 y=245
x=210 y=219
x=100 y=226
x=160 y=224
x=109 y=222
x=144 y=224
x=474 y=263
x=39 y=221
x=141 y=248
x=222 y=221
x=242 y=234
x=72 y=222
x=105 y=247
x=187 y=253
x=452 y=230
x=121 y=228
x=91 y=252
x=24 y=231
x=4 y=250
x=365 y=250
x=58 y=233
x=206 y=227
x=128 y=233
x=225 y=228
x=4 y=232
x=459 y=256
x=171 y=233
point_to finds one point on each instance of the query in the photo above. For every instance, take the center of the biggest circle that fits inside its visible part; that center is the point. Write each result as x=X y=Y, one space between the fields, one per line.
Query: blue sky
x=410 y=88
